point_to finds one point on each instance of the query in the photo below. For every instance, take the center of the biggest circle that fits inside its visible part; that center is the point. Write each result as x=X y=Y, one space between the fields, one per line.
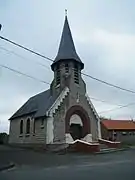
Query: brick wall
x=83 y=147
x=32 y=138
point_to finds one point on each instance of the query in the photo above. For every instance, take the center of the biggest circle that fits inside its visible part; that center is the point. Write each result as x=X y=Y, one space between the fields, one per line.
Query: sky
x=104 y=37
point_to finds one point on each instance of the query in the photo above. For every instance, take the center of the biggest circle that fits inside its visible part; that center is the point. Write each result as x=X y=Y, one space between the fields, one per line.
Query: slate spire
x=67 y=48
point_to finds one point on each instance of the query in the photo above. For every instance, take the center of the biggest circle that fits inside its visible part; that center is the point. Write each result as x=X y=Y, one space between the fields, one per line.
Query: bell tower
x=67 y=65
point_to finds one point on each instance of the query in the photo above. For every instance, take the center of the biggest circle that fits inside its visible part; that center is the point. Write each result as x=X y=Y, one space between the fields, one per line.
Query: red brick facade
x=84 y=147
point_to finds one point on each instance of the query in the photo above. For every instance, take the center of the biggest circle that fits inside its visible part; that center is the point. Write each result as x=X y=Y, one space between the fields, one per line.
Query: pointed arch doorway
x=77 y=122
x=76 y=126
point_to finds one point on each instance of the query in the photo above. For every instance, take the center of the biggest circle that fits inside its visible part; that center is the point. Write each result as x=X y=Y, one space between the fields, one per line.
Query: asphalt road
x=114 y=166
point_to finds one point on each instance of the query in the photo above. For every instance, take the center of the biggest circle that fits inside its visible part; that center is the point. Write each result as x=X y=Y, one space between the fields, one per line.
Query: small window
x=124 y=133
x=21 y=127
x=66 y=68
x=77 y=97
x=76 y=74
x=42 y=121
x=115 y=134
x=28 y=126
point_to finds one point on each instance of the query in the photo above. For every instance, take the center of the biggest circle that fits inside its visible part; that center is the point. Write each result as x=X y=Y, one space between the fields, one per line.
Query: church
x=64 y=112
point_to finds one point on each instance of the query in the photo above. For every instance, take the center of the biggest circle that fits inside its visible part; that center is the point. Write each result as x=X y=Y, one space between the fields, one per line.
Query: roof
x=119 y=124
x=37 y=104
x=67 y=48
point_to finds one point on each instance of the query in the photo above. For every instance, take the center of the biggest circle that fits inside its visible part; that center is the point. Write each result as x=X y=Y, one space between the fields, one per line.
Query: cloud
x=117 y=55
x=120 y=46
x=110 y=56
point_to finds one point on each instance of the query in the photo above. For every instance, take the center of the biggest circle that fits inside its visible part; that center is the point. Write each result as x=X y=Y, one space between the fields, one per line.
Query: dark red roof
x=118 y=124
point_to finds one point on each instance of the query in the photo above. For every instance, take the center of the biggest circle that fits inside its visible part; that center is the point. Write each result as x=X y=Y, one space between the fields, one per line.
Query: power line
x=27 y=49
x=104 y=101
x=45 y=57
x=18 y=72
x=109 y=84
x=26 y=75
x=22 y=57
x=38 y=54
x=124 y=106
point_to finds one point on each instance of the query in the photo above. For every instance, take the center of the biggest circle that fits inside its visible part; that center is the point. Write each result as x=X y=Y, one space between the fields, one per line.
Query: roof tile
x=37 y=104
x=118 y=124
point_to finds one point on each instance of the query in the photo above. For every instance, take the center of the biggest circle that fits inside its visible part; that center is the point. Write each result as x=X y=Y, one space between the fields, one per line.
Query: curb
x=112 y=151
x=6 y=167
x=132 y=147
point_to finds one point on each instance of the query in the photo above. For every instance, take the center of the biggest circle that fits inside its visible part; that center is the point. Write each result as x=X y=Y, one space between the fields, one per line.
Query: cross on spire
x=65 y=12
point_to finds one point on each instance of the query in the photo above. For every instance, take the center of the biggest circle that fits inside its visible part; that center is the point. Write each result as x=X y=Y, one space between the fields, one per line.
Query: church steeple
x=67 y=48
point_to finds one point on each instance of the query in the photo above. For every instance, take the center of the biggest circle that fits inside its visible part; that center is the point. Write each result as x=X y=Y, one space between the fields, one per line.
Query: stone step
x=108 y=149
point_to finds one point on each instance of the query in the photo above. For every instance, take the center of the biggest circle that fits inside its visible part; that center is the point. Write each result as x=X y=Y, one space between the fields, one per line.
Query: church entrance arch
x=76 y=126
x=77 y=122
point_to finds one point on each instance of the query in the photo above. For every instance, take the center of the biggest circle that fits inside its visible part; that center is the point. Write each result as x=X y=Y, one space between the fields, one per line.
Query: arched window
x=57 y=75
x=66 y=68
x=76 y=74
x=28 y=126
x=21 y=127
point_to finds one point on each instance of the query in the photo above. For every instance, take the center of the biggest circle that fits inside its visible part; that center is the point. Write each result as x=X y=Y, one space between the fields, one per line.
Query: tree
x=3 y=138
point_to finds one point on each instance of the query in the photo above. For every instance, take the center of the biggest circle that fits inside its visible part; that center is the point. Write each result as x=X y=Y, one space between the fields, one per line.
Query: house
x=118 y=130
x=64 y=112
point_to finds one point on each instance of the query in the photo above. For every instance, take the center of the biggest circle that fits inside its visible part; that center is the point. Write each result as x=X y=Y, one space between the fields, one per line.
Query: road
x=114 y=166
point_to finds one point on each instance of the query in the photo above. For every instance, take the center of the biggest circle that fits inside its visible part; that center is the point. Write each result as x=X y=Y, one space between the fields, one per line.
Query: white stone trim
x=87 y=138
x=69 y=138
x=58 y=102
x=111 y=142
x=96 y=114
x=49 y=130
x=84 y=142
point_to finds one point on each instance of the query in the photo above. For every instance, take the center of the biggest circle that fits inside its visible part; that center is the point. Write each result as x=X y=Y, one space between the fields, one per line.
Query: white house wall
x=50 y=130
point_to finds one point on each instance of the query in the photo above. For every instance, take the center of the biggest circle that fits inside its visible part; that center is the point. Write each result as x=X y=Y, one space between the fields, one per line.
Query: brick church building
x=64 y=112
